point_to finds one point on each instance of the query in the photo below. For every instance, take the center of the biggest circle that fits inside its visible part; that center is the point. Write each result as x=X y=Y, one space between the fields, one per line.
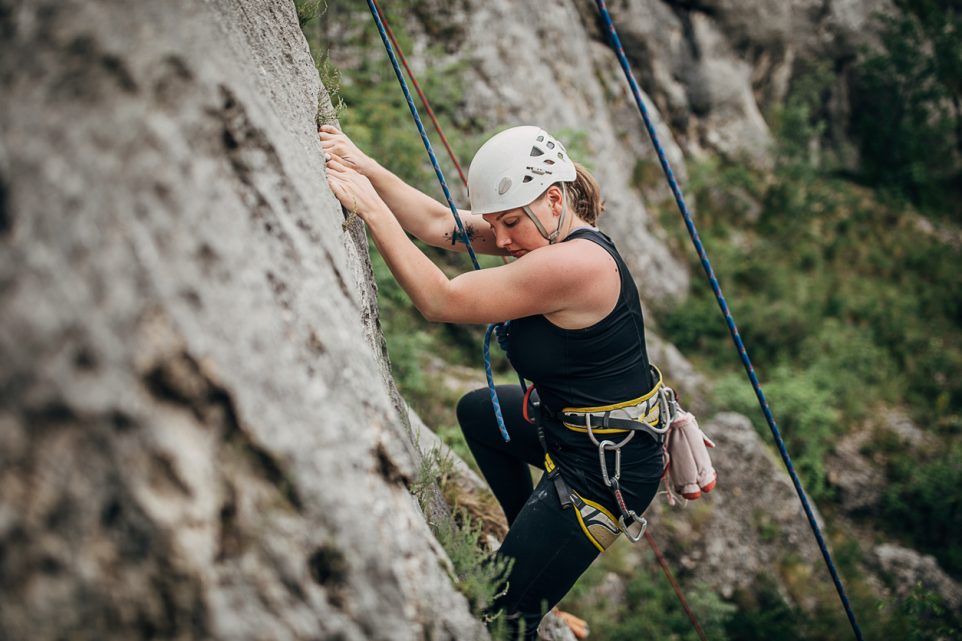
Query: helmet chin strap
x=552 y=238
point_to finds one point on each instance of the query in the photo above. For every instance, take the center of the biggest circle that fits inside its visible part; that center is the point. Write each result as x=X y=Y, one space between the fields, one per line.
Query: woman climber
x=576 y=330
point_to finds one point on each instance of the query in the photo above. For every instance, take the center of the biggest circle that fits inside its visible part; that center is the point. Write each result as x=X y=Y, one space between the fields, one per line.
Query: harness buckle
x=590 y=428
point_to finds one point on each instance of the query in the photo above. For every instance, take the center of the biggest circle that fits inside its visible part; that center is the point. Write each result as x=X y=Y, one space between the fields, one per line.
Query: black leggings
x=546 y=543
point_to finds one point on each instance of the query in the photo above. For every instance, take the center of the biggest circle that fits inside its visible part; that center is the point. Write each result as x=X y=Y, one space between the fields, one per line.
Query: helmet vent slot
x=536 y=152
x=548 y=161
x=527 y=179
x=540 y=138
x=550 y=145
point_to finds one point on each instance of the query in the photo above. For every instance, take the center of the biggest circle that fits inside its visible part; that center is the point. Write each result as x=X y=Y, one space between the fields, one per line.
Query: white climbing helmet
x=513 y=168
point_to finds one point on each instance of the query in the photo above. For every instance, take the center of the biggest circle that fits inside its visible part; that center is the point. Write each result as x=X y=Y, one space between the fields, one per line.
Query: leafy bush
x=650 y=609
x=478 y=573
x=908 y=118
x=925 y=499
x=763 y=615
x=924 y=617
x=807 y=417
x=307 y=10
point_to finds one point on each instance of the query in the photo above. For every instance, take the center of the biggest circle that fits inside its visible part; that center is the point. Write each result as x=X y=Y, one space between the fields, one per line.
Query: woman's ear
x=555 y=200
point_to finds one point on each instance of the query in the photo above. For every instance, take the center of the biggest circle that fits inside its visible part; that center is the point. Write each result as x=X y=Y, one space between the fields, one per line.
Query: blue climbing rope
x=424 y=135
x=732 y=328
x=490 y=377
x=500 y=328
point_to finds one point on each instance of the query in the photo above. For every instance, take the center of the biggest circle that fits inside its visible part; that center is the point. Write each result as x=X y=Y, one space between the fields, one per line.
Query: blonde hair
x=584 y=195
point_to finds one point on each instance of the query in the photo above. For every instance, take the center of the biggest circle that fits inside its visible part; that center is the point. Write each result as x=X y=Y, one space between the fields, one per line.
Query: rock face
x=198 y=437
x=716 y=68
x=911 y=569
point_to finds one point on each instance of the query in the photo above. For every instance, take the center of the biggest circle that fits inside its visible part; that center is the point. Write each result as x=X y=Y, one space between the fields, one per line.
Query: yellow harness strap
x=644 y=409
x=599 y=525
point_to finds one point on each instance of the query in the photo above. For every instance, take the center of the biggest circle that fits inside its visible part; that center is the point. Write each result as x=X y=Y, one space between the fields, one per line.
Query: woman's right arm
x=419 y=214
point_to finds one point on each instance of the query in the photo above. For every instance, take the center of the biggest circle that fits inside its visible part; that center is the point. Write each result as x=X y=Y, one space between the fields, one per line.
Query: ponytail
x=584 y=196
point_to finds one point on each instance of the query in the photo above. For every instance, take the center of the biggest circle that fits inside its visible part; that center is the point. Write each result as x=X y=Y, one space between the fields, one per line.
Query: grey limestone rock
x=858 y=480
x=909 y=568
x=200 y=439
x=856 y=473
x=715 y=68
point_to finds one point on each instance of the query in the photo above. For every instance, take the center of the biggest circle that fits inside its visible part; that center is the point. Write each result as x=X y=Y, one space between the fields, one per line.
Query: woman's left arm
x=541 y=282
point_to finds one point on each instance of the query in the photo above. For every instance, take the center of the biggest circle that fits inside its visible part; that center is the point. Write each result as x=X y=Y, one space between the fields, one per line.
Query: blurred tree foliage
x=648 y=608
x=849 y=302
x=908 y=105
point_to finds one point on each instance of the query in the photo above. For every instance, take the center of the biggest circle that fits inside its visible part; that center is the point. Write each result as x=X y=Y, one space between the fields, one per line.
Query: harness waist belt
x=642 y=414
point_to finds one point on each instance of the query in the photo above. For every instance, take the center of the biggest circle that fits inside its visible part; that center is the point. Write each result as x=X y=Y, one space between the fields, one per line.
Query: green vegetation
x=909 y=95
x=924 y=617
x=924 y=497
x=848 y=303
x=309 y=10
x=648 y=607
x=478 y=573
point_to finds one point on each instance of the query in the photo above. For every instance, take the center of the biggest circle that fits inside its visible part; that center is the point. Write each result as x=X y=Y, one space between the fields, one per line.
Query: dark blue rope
x=733 y=330
x=424 y=135
x=487 y=372
x=454 y=210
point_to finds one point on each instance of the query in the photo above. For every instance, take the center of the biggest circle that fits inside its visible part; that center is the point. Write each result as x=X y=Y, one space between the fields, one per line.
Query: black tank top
x=602 y=364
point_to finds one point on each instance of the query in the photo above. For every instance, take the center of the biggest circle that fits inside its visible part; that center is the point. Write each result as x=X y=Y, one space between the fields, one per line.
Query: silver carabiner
x=591 y=434
x=602 y=447
x=669 y=406
x=594 y=440
x=637 y=519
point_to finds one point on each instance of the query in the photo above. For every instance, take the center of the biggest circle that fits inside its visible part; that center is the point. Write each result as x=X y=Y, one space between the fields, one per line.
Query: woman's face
x=516 y=233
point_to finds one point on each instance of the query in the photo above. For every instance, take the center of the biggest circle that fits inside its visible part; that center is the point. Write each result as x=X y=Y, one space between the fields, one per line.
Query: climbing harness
x=732 y=328
x=646 y=414
x=688 y=469
x=600 y=526
x=643 y=413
